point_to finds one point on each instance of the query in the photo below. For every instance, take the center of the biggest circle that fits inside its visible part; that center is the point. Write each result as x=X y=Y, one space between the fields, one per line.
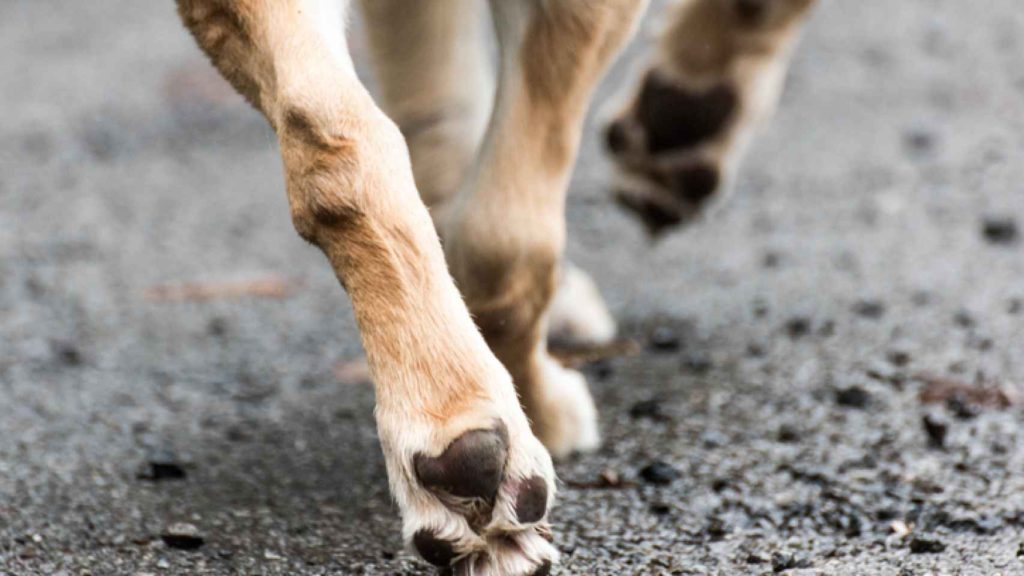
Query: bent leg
x=715 y=76
x=505 y=232
x=472 y=482
x=432 y=61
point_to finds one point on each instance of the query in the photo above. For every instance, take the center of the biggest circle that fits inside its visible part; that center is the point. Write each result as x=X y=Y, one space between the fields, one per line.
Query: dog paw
x=563 y=412
x=670 y=148
x=474 y=492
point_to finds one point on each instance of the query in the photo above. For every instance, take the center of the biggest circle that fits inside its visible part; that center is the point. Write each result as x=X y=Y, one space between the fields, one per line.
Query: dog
x=441 y=205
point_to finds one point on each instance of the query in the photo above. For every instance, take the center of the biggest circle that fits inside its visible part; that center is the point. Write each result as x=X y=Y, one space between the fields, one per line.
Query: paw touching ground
x=477 y=503
x=716 y=76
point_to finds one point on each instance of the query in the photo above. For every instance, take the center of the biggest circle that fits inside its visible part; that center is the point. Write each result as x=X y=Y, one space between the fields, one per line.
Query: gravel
x=126 y=164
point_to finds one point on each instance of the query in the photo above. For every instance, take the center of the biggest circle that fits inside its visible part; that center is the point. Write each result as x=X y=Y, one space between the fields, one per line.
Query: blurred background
x=829 y=368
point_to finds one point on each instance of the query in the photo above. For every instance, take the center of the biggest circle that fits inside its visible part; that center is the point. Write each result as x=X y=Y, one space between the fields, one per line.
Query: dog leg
x=471 y=480
x=437 y=83
x=505 y=232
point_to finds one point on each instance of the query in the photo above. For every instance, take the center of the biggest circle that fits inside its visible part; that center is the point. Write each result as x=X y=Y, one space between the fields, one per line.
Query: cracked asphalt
x=828 y=368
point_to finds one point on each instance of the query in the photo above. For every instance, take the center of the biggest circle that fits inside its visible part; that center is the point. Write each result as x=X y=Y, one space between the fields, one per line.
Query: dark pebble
x=771 y=260
x=918 y=141
x=788 y=434
x=160 y=465
x=853 y=397
x=659 y=473
x=964 y=319
x=798 y=327
x=67 y=353
x=898 y=358
x=182 y=536
x=782 y=561
x=872 y=309
x=921 y=545
x=755 y=350
x=716 y=528
x=648 y=409
x=664 y=339
x=1000 y=230
x=936 y=430
x=660 y=509
x=155 y=471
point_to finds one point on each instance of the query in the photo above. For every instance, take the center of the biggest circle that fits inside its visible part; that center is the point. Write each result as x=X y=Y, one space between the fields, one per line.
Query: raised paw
x=716 y=77
x=671 y=148
x=476 y=503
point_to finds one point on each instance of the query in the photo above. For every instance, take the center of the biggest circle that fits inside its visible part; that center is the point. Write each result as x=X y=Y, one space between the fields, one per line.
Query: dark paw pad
x=472 y=466
x=532 y=501
x=656 y=213
x=434 y=550
x=676 y=118
x=695 y=183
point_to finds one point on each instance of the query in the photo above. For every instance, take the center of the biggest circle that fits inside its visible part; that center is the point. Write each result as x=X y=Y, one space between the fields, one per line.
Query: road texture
x=829 y=367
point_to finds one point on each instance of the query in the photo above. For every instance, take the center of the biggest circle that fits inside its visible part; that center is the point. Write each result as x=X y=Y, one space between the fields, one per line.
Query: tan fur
x=495 y=173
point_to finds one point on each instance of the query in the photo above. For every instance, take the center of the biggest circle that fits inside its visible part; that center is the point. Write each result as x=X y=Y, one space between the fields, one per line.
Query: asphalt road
x=832 y=387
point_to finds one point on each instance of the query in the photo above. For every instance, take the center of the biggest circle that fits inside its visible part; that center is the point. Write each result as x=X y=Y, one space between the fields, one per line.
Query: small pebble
x=936 y=430
x=853 y=397
x=182 y=536
x=659 y=473
x=1000 y=230
x=67 y=353
x=664 y=339
x=716 y=528
x=921 y=545
x=871 y=309
x=162 y=464
x=660 y=508
x=649 y=409
x=898 y=358
x=788 y=434
x=782 y=561
x=158 y=470
x=964 y=319
x=918 y=141
x=798 y=327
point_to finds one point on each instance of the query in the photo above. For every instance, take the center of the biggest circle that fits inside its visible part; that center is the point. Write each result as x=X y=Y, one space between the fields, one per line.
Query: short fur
x=490 y=154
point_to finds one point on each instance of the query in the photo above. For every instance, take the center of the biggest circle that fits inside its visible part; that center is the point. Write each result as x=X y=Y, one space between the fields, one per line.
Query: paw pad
x=532 y=501
x=472 y=466
x=432 y=549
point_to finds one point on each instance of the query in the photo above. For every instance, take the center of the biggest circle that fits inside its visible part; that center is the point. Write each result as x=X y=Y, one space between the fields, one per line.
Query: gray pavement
x=848 y=281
